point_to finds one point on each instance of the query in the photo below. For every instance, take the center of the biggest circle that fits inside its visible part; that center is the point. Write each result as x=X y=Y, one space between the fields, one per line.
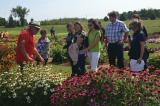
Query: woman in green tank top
x=94 y=47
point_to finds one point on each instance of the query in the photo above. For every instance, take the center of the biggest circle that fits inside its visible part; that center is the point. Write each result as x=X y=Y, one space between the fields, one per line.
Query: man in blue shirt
x=116 y=34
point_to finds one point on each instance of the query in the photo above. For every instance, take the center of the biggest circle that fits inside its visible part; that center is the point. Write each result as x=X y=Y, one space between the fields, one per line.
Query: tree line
x=145 y=14
x=62 y=21
x=22 y=12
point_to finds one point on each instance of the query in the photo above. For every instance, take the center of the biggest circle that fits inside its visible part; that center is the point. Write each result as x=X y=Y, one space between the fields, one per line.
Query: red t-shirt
x=27 y=36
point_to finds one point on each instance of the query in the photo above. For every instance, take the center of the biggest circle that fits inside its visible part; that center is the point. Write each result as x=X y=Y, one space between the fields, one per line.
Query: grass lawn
x=153 y=45
x=62 y=68
x=151 y=25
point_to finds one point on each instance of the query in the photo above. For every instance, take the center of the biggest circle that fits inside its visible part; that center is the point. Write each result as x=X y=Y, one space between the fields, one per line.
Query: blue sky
x=49 y=9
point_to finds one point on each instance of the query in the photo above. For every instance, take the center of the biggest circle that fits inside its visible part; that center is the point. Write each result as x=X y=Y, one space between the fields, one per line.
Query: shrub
x=2 y=21
x=57 y=52
x=154 y=62
x=103 y=56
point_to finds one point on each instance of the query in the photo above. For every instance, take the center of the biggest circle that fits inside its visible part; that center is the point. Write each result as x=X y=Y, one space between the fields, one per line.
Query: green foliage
x=103 y=56
x=154 y=62
x=62 y=21
x=144 y=13
x=105 y=18
x=152 y=16
x=57 y=52
x=123 y=16
x=20 y=12
x=2 y=21
x=11 y=23
x=33 y=87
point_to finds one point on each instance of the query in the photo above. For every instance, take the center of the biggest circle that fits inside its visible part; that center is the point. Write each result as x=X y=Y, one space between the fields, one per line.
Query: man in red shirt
x=26 y=49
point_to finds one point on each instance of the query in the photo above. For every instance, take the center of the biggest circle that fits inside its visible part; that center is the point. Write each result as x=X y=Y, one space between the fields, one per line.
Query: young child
x=78 y=56
x=137 y=52
x=43 y=45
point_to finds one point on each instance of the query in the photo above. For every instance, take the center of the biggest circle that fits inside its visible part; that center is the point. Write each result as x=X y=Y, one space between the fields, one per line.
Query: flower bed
x=154 y=62
x=109 y=87
x=7 y=56
x=32 y=88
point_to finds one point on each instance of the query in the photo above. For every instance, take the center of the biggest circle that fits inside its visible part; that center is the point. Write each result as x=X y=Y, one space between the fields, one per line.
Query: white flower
x=24 y=84
x=14 y=95
x=19 y=80
x=4 y=91
x=132 y=77
x=52 y=90
x=36 y=84
x=9 y=97
x=40 y=85
x=5 y=82
x=28 y=99
x=45 y=93
x=32 y=93
x=25 y=93
x=29 y=86
x=5 y=72
x=19 y=87
x=60 y=83
x=45 y=88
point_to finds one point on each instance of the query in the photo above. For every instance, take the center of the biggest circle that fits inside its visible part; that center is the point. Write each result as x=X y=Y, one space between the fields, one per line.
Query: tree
x=2 y=21
x=152 y=16
x=157 y=12
x=123 y=16
x=130 y=14
x=144 y=13
x=20 y=12
x=11 y=22
x=105 y=18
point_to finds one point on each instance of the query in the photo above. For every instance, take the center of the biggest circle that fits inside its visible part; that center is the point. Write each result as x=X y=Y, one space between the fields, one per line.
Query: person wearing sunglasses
x=94 y=43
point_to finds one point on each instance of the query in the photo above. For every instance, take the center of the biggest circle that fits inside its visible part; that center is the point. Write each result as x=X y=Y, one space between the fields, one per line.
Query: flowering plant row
x=33 y=87
x=109 y=86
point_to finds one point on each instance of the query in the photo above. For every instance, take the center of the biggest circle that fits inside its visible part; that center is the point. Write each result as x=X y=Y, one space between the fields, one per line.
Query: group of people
x=80 y=44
